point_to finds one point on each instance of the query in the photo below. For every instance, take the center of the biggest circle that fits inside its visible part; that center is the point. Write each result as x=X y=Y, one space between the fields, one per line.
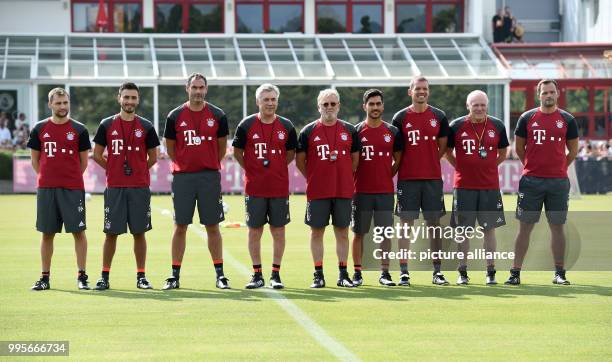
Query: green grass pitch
x=536 y=321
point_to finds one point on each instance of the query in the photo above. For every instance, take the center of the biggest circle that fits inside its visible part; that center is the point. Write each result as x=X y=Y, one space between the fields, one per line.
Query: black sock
x=82 y=273
x=342 y=268
x=559 y=269
x=319 y=267
x=462 y=268
x=257 y=269
x=275 y=269
x=140 y=275
x=490 y=268
x=219 y=269
x=437 y=265
x=357 y=268
x=404 y=268
x=105 y=274
x=176 y=271
x=45 y=276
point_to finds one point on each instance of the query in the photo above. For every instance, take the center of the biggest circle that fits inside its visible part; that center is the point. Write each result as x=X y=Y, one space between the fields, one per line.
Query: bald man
x=476 y=146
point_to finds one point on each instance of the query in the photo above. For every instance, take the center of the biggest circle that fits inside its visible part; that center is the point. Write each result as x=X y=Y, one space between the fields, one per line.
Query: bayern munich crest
x=281 y=135
x=433 y=122
x=70 y=136
x=387 y=138
x=559 y=124
x=210 y=122
x=138 y=133
x=491 y=133
x=343 y=136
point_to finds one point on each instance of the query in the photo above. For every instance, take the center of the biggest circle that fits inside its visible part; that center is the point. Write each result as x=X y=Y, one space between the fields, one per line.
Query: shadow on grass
x=335 y=294
x=170 y=295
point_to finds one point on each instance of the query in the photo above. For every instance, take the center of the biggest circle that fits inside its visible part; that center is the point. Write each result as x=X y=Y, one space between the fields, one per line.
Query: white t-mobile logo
x=539 y=135
x=323 y=151
x=469 y=146
x=260 y=149
x=190 y=136
x=50 y=148
x=116 y=145
x=413 y=137
x=368 y=152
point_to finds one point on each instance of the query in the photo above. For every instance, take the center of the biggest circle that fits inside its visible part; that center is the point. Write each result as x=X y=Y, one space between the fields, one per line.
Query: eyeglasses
x=329 y=104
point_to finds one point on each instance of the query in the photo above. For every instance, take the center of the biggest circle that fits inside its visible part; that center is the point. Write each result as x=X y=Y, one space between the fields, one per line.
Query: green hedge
x=6 y=165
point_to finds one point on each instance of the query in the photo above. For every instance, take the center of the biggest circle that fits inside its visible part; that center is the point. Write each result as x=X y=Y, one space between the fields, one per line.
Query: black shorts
x=318 y=212
x=57 y=206
x=366 y=206
x=262 y=210
x=203 y=187
x=415 y=195
x=534 y=192
x=127 y=206
x=486 y=206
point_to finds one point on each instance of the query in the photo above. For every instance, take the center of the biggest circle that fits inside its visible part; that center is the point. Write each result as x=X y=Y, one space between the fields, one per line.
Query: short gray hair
x=267 y=87
x=474 y=94
x=326 y=92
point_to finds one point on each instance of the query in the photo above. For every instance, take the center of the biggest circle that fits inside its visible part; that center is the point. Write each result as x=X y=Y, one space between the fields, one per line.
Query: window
x=591 y=106
x=189 y=16
x=123 y=16
x=429 y=16
x=269 y=16
x=349 y=16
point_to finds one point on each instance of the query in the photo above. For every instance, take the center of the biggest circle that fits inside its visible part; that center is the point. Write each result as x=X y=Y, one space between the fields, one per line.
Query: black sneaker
x=344 y=281
x=404 y=280
x=143 y=283
x=222 y=282
x=559 y=278
x=171 y=283
x=41 y=284
x=385 y=279
x=490 y=280
x=275 y=281
x=82 y=282
x=357 y=278
x=318 y=281
x=102 y=284
x=257 y=281
x=515 y=277
x=438 y=279
x=463 y=279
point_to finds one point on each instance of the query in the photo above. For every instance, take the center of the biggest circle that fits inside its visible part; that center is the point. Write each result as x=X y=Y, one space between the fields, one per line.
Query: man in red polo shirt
x=131 y=144
x=327 y=155
x=546 y=143
x=196 y=137
x=381 y=149
x=60 y=150
x=480 y=144
x=264 y=144
x=424 y=130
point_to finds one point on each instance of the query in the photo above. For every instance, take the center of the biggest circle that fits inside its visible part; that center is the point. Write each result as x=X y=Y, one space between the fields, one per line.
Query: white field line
x=316 y=331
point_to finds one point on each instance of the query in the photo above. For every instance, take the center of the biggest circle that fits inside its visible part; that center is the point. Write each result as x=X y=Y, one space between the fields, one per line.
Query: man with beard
x=196 y=137
x=131 y=143
x=264 y=145
x=381 y=149
x=424 y=130
x=328 y=154
x=542 y=137
x=60 y=149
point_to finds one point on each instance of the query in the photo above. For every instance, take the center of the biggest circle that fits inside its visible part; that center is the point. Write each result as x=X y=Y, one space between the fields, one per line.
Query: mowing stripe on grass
x=316 y=331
